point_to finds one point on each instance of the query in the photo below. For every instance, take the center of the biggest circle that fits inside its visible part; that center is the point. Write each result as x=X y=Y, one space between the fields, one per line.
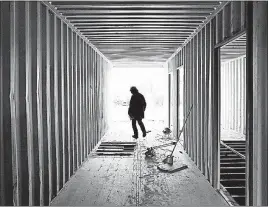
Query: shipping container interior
x=55 y=69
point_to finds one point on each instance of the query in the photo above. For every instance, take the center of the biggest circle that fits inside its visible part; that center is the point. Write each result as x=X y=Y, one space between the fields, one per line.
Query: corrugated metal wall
x=53 y=102
x=201 y=87
x=174 y=94
x=233 y=93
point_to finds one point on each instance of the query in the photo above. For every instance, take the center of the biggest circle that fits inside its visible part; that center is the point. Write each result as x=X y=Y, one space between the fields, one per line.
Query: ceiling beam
x=140 y=40
x=200 y=27
x=144 y=35
x=149 y=30
x=135 y=47
x=136 y=30
x=181 y=21
x=131 y=3
x=126 y=51
x=137 y=56
x=135 y=39
x=134 y=59
x=162 y=53
x=53 y=10
x=136 y=43
x=141 y=54
x=124 y=25
x=137 y=16
x=131 y=60
x=140 y=32
x=134 y=27
x=131 y=7
x=159 y=52
x=140 y=11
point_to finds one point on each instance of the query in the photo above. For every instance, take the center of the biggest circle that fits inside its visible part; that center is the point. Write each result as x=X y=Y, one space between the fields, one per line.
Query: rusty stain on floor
x=135 y=180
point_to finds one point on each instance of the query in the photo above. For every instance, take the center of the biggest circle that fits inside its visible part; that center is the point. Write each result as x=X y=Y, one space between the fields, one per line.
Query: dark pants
x=134 y=126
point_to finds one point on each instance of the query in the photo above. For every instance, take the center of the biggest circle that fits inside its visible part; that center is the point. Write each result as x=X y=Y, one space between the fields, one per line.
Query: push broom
x=168 y=161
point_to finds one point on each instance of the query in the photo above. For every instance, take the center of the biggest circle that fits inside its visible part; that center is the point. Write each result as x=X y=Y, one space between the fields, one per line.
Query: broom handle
x=182 y=129
x=163 y=145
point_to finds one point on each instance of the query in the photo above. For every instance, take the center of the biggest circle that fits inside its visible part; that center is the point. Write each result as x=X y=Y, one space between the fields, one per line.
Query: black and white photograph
x=133 y=103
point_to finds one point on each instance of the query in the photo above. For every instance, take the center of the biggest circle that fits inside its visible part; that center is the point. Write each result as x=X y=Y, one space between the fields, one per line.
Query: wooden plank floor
x=135 y=180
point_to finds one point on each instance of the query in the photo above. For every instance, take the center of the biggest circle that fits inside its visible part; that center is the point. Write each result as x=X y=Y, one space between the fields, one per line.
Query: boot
x=135 y=136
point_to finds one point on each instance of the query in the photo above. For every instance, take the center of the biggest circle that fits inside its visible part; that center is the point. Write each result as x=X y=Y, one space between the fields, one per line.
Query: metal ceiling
x=234 y=49
x=137 y=31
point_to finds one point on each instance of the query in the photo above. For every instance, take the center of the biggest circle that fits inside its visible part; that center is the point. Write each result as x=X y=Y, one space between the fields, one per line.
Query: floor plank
x=135 y=180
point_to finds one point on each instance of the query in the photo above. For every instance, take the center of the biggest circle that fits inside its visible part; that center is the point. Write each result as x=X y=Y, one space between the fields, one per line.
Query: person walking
x=136 y=111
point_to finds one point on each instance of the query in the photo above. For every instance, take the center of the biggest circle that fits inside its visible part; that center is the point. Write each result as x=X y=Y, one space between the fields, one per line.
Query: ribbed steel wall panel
x=47 y=73
x=233 y=92
x=202 y=130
